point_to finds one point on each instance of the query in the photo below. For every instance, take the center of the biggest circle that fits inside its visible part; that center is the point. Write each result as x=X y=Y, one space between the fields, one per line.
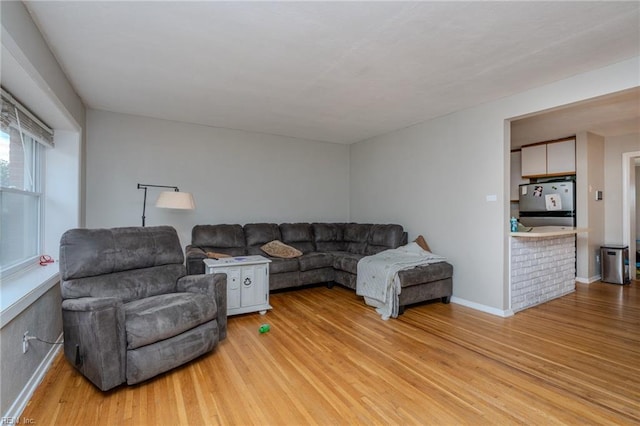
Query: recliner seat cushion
x=160 y=317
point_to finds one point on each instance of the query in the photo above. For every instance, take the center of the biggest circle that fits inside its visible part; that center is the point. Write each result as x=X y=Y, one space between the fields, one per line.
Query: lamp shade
x=176 y=200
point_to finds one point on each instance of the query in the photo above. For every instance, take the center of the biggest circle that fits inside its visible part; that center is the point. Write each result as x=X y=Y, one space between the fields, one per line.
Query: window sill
x=21 y=290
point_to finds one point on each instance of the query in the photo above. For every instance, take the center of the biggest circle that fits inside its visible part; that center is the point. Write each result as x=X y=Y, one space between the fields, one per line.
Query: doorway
x=630 y=208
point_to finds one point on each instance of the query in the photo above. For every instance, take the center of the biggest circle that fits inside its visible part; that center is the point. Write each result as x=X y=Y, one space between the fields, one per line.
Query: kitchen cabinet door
x=561 y=157
x=534 y=160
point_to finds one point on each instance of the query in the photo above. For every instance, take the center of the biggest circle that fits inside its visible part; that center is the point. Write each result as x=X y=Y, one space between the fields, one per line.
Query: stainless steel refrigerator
x=548 y=204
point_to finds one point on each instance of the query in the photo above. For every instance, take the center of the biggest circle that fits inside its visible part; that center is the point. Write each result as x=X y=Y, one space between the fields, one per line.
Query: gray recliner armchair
x=129 y=310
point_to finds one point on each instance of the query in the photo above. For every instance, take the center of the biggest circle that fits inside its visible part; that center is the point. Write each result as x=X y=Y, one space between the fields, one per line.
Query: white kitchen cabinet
x=534 y=160
x=554 y=158
x=247 y=282
x=561 y=157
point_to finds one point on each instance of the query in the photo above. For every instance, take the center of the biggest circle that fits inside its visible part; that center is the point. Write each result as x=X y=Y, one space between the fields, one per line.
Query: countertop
x=549 y=231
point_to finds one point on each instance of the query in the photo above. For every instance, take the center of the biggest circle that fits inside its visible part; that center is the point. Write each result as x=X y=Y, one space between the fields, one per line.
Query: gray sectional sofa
x=331 y=252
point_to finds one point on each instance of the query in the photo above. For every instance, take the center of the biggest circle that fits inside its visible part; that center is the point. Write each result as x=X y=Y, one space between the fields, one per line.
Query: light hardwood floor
x=329 y=359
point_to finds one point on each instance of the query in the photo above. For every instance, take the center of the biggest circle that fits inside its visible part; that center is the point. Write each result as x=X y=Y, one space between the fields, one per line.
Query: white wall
x=614 y=148
x=427 y=178
x=438 y=179
x=234 y=176
x=637 y=202
x=42 y=319
x=590 y=213
x=31 y=73
x=63 y=188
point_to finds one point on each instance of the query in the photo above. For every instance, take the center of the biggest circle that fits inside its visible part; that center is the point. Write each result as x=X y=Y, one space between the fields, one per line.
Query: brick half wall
x=541 y=269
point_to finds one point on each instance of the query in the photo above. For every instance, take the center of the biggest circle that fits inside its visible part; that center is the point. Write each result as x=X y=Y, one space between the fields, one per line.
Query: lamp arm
x=146 y=185
x=144 y=202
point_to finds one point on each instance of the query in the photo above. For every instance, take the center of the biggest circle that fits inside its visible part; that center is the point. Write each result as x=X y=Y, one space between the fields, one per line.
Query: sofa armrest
x=213 y=285
x=95 y=339
x=194 y=256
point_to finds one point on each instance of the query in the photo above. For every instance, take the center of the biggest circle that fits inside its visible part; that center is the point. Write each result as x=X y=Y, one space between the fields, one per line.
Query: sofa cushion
x=383 y=237
x=424 y=274
x=315 y=260
x=92 y=252
x=329 y=236
x=156 y=318
x=345 y=261
x=356 y=236
x=277 y=248
x=258 y=234
x=217 y=237
x=298 y=235
x=280 y=265
x=127 y=285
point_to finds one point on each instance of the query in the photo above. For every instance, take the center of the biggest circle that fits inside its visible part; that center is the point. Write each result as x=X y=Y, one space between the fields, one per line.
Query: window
x=21 y=188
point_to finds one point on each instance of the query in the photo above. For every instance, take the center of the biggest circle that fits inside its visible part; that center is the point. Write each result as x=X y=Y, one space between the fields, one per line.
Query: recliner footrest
x=160 y=317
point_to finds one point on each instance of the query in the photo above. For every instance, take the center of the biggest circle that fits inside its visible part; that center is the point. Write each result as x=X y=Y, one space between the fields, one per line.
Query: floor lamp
x=168 y=199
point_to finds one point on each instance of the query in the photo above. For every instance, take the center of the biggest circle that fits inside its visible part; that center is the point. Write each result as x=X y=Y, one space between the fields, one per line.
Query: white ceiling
x=611 y=115
x=328 y=71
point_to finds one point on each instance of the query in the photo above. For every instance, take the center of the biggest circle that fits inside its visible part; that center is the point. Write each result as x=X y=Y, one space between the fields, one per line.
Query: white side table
x=247 y=282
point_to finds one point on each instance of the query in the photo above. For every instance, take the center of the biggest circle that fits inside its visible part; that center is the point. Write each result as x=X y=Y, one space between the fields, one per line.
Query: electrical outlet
x=598 y=259
x=25 y=342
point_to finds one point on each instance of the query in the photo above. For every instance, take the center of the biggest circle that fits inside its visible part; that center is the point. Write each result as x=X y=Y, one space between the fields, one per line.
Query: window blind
x=13 y=112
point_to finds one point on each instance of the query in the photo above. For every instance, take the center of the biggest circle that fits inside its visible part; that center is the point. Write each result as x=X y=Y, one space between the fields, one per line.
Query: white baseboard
x=18 y=406
x=483 y=308
x=588 y=280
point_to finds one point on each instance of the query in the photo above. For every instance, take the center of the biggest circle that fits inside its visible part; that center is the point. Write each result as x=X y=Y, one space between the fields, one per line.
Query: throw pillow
x=214 y=255
x=277 y=248
x=422 y=243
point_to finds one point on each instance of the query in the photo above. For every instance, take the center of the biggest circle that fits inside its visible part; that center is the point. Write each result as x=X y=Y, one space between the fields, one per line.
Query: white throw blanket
x=378 y=280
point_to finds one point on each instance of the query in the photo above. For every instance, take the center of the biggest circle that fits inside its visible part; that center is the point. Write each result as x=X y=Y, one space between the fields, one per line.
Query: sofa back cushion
x=138 y=261
x=227 y=239
x=298 y=235
x=383 y=237
x=91 y=252
x=329 y=236
x=356 y=236
x=258 y=234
